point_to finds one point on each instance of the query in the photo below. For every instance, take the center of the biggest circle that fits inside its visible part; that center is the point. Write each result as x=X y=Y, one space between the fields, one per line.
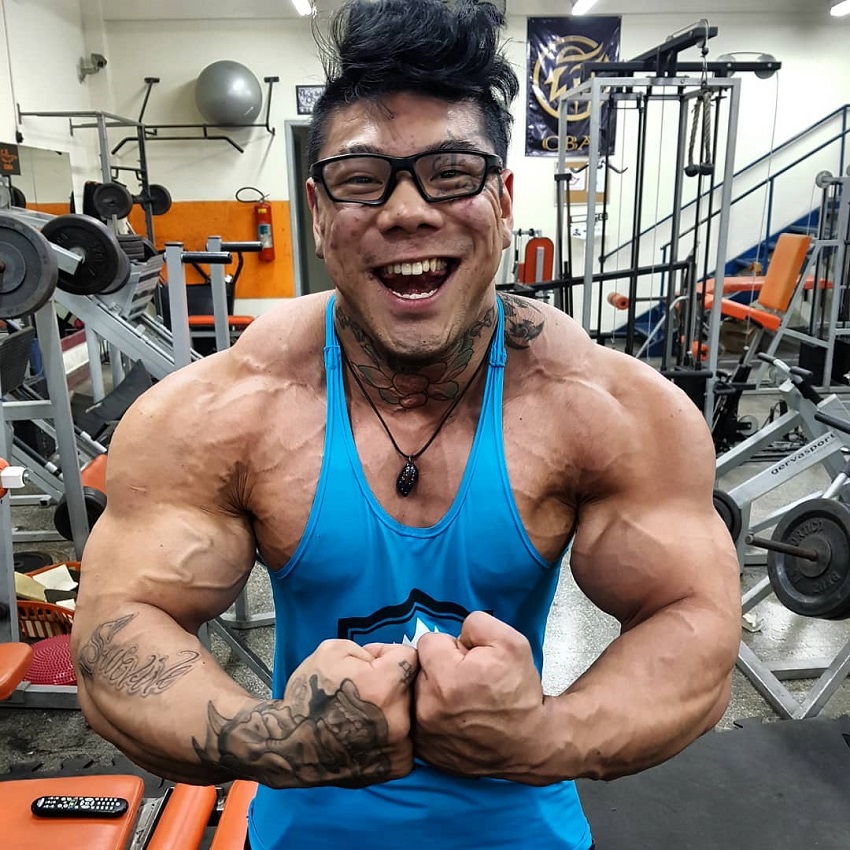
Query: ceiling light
x=303 y=7
x=580 y=7
x=840 y=9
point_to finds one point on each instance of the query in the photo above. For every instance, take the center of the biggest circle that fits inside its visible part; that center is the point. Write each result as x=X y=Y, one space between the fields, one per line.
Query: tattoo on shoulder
x=523 y=321
x=399 y=384
x=116 y=662
x=320 y=737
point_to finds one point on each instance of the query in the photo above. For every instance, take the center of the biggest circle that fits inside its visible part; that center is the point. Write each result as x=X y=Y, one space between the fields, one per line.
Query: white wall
x=47 y=38
x=45 y=41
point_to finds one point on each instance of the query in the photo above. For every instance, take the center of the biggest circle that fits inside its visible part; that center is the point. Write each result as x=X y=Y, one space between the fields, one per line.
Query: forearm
x=652 y=692
x=153 y=690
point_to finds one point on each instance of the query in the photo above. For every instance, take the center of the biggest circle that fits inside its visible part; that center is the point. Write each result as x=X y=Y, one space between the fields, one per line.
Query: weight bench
x=777 y=288
x=177 y=821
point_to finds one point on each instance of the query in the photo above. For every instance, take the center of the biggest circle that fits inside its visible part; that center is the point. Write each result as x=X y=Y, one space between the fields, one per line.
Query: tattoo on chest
x=523 y=321
x=398 y=384
x=319 y=737
x=117 y=663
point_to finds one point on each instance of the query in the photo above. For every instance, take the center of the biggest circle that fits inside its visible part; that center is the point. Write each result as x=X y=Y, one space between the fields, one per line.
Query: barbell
x=29 y=271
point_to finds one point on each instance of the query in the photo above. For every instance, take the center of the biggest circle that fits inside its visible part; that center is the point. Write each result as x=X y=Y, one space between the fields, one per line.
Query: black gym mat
x=762 y=786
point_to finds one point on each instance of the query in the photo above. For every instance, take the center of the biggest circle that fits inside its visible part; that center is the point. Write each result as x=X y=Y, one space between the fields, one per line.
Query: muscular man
x=411 y=456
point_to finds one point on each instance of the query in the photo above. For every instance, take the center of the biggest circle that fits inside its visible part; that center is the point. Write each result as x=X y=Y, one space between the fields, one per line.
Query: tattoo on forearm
x=399 y=384
x=523 y=321
x=118 y=663
x=320 y=737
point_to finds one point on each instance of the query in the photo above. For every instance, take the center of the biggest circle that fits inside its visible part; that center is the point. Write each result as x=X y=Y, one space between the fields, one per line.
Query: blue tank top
x=361 y=575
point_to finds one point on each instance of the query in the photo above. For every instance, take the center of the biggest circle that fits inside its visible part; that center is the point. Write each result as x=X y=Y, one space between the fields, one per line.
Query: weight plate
x=814 y=588
x=29 y=272
x=104 y=263
x=160 y=199
x=729 y=512
x=95 y=501
x=112 y=199
x=123 y=275
x=133 y=246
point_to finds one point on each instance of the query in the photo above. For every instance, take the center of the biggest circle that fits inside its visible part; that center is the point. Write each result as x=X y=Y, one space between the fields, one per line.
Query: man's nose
x=406 y=208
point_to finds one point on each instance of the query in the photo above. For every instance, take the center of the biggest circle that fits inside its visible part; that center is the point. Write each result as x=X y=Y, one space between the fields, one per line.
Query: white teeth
x=415 y=296
x=416 y=268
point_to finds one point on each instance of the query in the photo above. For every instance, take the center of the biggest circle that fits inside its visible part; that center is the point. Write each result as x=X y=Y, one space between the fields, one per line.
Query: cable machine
x=705 y=100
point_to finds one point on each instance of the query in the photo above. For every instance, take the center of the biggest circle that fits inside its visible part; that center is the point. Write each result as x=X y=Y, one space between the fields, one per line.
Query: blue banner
x=557 y=48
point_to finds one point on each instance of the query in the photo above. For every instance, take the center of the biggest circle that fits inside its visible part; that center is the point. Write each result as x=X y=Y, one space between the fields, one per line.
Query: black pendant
x=407 y=478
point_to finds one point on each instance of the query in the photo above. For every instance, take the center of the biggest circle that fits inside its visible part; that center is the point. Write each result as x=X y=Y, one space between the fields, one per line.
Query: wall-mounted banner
x=557 y=47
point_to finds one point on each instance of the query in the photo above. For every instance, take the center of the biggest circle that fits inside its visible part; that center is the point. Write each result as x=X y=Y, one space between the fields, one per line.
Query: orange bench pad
x=186 y=815
x=14 y=662
x=22 y=830
x=233 y=824
x=728 y=307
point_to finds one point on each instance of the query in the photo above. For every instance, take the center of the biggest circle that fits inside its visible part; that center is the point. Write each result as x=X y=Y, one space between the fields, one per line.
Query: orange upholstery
x=186 y=815
x=235 y=322
x=14 y=661
x=754 y=283
x=21 y=830
x=777 y=288
x=528 y=269
x=233 y=824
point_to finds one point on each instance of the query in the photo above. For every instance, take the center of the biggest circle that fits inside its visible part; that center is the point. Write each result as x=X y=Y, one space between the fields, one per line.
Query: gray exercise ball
x=227 y=92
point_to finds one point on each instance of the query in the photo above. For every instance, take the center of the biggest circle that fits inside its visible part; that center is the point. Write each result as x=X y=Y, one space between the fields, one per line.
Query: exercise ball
x=228 y=93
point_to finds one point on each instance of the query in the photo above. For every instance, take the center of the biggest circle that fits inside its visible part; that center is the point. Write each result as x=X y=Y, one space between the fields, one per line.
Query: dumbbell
x=115 y=199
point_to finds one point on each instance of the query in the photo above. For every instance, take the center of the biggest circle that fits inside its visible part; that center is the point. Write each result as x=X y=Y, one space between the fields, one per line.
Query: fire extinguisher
x=262 y=222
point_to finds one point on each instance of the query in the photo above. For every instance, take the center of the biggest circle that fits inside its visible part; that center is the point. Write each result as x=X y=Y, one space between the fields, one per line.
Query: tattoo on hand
x=523 y=321
x=408 y=674
x=320 y=737
x=117 y=663
x=398 y=384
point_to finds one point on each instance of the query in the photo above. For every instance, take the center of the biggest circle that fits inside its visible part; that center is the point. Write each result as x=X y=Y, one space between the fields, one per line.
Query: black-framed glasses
x=370 y=178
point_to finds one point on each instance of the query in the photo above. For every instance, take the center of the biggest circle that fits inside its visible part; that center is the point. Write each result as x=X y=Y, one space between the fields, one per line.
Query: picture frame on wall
x=306 y=97
x=577 y=168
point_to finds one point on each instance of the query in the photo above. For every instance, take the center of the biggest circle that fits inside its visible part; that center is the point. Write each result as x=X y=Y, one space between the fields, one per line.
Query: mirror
x=45 y=180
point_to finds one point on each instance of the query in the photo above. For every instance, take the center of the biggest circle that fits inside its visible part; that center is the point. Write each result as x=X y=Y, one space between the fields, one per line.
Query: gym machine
x=658 y=76
x=808 y=553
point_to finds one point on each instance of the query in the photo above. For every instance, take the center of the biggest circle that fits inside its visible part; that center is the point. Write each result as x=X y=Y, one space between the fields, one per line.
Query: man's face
x=459 y=243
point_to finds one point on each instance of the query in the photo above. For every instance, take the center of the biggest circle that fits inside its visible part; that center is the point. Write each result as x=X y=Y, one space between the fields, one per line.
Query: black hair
x=442 y=48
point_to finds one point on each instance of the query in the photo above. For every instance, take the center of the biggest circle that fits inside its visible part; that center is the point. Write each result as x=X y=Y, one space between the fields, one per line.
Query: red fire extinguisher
x=263 y=218
x=262 y=222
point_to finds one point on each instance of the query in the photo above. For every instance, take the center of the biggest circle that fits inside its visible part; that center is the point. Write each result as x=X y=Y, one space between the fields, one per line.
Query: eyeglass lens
x=441 y=175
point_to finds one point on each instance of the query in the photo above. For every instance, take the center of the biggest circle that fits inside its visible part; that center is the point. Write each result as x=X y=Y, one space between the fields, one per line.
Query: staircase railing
x=841 y=136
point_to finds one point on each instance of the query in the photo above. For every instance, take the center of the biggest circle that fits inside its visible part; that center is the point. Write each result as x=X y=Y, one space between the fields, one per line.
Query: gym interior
x=681 y=190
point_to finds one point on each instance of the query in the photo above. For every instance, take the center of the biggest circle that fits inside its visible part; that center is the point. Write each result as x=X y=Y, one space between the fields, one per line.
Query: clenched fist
x=352 y=707
x=479 y=704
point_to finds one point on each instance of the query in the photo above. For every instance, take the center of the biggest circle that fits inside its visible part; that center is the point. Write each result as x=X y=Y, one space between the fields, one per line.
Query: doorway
x=310 y=272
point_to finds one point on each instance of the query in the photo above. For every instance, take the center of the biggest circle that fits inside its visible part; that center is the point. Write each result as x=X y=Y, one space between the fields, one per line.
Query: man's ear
x=313 y=200
x=506 y=203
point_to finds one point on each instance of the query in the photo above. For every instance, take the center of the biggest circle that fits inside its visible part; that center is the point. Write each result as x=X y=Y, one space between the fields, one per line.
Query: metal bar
x=178 y=302
x=218 y=287
x=781 y=548
x=722 y=241
x=593 y=168
x=57 y=390
x=766 y=683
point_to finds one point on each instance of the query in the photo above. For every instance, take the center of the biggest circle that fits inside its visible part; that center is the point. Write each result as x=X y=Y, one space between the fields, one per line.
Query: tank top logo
x=405 y=623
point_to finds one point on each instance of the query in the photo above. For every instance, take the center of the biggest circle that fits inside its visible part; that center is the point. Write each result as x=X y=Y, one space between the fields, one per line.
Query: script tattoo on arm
x=114 y=662
x=402 y=386
x=320 y=737
x=523 y=322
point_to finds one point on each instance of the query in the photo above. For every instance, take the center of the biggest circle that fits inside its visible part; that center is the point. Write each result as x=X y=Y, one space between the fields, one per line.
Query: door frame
x=295 y=189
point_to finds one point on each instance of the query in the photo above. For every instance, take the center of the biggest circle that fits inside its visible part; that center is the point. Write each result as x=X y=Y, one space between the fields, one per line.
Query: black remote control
x=79 y=807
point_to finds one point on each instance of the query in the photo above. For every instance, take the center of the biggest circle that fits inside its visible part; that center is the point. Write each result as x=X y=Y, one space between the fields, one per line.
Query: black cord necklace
x=409 y=474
